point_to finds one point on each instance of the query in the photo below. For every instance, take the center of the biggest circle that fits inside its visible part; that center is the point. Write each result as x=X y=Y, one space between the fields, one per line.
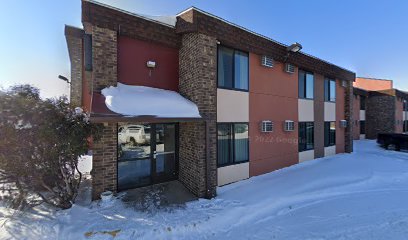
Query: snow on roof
x=139 y=101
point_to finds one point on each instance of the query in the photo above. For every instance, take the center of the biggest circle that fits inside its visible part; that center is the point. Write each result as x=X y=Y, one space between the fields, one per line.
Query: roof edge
x=128 y=13
x=257 y=34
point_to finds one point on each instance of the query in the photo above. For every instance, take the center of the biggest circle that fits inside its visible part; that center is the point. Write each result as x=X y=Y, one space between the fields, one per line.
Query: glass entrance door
x=164 y=153
x=146 y=154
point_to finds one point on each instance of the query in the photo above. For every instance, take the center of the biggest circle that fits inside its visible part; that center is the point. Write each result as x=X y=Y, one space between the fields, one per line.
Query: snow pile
x=350 y=196
x=139 y=100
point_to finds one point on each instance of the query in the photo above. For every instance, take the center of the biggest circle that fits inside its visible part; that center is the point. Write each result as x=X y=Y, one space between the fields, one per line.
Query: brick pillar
x=104 y=74
x=104 y=58
x=318 y=116
x=380 y=115
x=75 y=44
x=104 y=164
x=348 y=108
x=198 y=82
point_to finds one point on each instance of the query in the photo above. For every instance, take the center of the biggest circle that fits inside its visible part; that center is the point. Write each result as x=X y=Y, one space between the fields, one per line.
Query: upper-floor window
x=329 y=90
x=405 y=105
x=362 y=103
x=306 y=85
x=233 y=69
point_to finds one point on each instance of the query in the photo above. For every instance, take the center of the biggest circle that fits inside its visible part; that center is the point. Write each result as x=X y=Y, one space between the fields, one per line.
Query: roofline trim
x=382 y=79
x=129 y=13
x=257 y=34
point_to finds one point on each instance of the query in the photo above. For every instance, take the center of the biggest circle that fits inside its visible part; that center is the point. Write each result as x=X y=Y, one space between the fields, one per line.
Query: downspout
x=208 y=191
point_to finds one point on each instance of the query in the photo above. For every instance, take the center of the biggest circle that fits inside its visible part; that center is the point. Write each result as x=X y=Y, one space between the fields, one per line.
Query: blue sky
x=368 y=37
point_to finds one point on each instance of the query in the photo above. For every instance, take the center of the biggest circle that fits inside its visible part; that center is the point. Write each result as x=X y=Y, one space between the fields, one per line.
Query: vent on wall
x=266 y=126
x=289 y=126
x=289 y=68
x=344 y=84
x=267 y=61
x=343 y=123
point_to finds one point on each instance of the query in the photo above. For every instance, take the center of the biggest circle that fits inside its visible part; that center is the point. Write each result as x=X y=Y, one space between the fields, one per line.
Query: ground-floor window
x=405 y=127
x=329 y=134
x=306 y=136
x=362 y=127
x=232 y=143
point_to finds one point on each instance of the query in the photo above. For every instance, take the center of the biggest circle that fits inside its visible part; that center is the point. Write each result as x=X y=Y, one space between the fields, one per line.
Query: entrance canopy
x=147 y=104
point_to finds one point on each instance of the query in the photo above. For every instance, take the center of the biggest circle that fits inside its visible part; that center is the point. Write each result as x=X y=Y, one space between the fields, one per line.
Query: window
x=306 y=85
x=232 y=143
x=405 y=127
x=362 y=103
x=362 y=127
x=88 y=52
x=405 y=107
x=306 y=136
x=233 y=69
x=329 y=90
x=329 y=134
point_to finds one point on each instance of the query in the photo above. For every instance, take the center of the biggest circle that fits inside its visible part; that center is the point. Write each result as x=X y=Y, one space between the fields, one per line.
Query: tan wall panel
x=232 y=106
x=329 y=112
x=233 y=173
x=362 y=115
x=329 y=151
x=306 y=156
x=306 y=110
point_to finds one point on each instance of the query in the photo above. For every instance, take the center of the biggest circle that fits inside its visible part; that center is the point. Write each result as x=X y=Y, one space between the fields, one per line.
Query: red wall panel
x=132 y=58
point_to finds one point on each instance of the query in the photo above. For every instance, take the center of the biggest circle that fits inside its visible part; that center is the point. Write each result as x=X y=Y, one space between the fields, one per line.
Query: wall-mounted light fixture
x=151 y=64
x=64 y=79
x=294 y=48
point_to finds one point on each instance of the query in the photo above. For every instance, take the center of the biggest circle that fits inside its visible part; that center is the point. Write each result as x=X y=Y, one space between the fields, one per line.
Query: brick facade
x=380 y=115
x=198 y=82
x=104 y=164
x=74 y=42
x=196 y=35
x=104 y=58
x=348 y=111
x=104 y=74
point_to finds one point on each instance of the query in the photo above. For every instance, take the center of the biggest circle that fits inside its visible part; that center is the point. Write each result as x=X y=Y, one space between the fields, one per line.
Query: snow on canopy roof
x=140 y=101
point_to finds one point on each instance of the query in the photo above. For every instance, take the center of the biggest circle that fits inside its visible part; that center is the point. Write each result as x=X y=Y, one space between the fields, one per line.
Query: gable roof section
x=129 y=24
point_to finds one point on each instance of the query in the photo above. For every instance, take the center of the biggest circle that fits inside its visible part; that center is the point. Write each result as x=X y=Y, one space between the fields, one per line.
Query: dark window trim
x=362 y=127
x=305 y=149
x=233 y=69
x=232 y=147
x=329 y=80
x=304 y=80
x=87 y=45
x=176 y=155
x=327 y=142
x=363 y=99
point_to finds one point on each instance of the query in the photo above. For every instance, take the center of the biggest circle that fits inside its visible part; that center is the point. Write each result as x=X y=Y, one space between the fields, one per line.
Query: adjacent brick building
x=378 y=108
x=263 y=106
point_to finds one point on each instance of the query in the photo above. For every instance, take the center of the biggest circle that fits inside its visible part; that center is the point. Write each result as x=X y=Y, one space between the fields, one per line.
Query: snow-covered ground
x=363 y=195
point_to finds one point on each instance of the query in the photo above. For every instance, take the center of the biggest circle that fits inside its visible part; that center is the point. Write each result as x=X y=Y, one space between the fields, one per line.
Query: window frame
x=304 y=80
x=305 y=148
x=363 y=99
x=327 y=134
x=327 y=87
x=231 y=148
x=362 y=124
x=233 y=69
